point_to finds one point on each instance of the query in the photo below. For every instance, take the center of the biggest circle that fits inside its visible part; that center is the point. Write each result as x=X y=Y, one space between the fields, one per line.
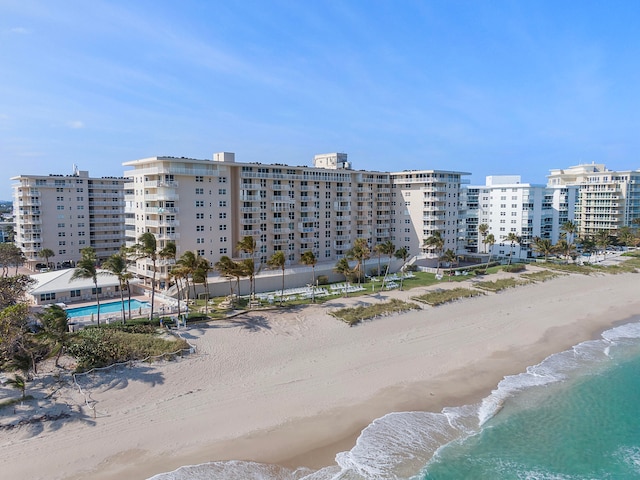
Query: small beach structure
x=57 y=286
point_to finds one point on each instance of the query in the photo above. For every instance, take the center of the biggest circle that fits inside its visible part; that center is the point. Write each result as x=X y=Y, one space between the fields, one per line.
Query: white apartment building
x=607 y=200
x=507 y=206
x=425 y=202
x=208 y=206
x=66 y=213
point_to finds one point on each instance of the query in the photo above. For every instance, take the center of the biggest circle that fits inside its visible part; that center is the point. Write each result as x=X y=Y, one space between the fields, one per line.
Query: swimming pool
x=106 y=308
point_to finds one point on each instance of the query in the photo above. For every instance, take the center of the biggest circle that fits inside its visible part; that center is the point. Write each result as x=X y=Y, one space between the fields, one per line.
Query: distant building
x=506 y=205
x=607 y=200
x=66 y=213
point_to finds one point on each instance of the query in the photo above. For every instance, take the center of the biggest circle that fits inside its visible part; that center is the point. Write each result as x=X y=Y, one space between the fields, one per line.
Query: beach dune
x=296 y=388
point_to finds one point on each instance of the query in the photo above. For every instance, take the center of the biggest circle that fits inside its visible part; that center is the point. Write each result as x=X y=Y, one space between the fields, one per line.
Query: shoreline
x=311 y=407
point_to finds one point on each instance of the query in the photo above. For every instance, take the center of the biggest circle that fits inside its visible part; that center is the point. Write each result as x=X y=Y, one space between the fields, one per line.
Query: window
x=199 y=203
x=59 y=207
x=199 y=228
x=200 y=252
x=75 y=293
x=222 y=215
x=222 y=203
x=93 y=290
x=223 y=239
x=61 y=234
x=47 y=296
x=199 y=178
x=199 y=191
x=199 y=216
x=222 y=227
x=223 y=251
x=199 y=240
x=222 y=191
x=222 y=179
x=62 y=252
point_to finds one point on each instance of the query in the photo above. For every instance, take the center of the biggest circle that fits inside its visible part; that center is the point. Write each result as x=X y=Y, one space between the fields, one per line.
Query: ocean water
x=575 y=416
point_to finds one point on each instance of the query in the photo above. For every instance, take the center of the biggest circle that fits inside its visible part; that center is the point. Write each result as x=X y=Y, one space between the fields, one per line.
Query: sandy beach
x=295 y=388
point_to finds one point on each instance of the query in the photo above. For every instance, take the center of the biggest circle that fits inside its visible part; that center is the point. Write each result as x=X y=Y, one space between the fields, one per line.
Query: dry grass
x=354 y=315
x=440 y=296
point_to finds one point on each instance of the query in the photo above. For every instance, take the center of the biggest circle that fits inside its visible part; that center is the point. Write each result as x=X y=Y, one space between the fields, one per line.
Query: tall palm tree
x=117 y=265
x=512 y=238
x=342 y=268
x=189 y=261
x=543 y=246
x=489 y=240
x=435 y=242
x=308 y=258
x=179 y=273
x=278 y=260
x=625 y=236
x=229 y=269
x=450 y=257
x=402 y=254
x=249 y=245
x=46 y=253
x=378 y=250
x=55 y=327
x=570 y=228
x=200 y=275
x=483 y=229
x=388 y=249
x=564 y=248
x=602 y=241
x=86 y=268
x=147 y=248
x=360 y=252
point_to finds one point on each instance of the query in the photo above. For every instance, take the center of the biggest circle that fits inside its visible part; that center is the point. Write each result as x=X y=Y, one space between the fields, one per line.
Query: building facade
x=508 y=206
x=425 y=202
x=66 y=213
x=607 y=200
x=208 y=206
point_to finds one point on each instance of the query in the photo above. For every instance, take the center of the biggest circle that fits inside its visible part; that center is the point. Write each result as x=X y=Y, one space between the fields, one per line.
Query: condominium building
x=607 y=200
x=66 y=213
x=425 y=202
x=508 y=206
x=208 y=206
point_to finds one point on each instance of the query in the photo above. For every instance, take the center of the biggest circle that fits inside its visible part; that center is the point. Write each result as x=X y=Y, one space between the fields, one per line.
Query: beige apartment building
x=607 y=200
x=425 y=202
x=208 y=206
x=66 y=213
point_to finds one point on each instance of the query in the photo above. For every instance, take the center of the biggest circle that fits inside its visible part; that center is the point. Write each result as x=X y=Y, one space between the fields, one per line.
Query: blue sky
x=493 y=87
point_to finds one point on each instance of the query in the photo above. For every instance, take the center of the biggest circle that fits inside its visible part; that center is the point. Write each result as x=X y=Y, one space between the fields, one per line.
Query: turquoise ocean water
x=574 y=416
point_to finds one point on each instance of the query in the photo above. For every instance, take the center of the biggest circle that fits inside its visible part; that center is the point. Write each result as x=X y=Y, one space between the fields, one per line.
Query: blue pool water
x=105 y=308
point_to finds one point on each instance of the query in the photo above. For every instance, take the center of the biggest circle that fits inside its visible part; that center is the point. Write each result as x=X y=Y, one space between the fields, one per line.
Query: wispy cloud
x=20 y=30
x=75 y=124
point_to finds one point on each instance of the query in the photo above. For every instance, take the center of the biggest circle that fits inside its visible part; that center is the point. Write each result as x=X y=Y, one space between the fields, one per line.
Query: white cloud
x=75 y=124
x=19 y=30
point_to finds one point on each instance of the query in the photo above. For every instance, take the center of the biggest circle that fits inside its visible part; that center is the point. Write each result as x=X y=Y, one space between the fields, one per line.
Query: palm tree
x=86 y=268
x=309 y=258
x=403 y=254
x=360 y=252
x=117 y=265
x=229 y=269
x=278 y=260
x=46 y=253
x=435 y=242
x=489 y=240
x=483 y=229
x=179 y=273
x=388 y=249
x=450 y=257
x=147 y=248
x=249 y=245
x=200 y=275
x=55 y=327
x=564 y=248
x=570 y=228
x=602 y=241
x=588 y=246
x=378 y=249
x=189 y=261
x=626 y=236
x=342 y=268
x=543 y=246
x=512 y=238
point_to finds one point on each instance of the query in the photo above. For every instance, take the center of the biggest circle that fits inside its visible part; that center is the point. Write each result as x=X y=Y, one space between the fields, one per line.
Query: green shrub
x=354 y=315
x=99 y=347
x=440 y=296
x=515 y=268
